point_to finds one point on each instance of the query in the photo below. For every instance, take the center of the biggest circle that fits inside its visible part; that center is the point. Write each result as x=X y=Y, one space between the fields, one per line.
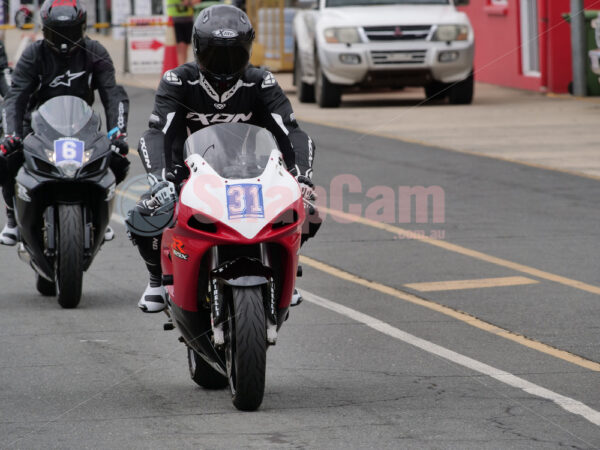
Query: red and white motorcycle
x=230 y=260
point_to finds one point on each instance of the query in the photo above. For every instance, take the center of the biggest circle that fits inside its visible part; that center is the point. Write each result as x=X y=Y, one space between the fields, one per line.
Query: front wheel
x=436 y=91
x=246 y=351
x=203 y=374
x=327 y=94
x=305 y=92
x=69 y=264
x=461 y=93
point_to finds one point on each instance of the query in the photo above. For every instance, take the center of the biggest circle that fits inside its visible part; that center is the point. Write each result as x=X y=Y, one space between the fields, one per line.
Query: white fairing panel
x=245 y=205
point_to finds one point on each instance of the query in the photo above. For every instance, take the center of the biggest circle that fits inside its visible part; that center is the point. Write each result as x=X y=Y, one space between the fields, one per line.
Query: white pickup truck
x=383 y=44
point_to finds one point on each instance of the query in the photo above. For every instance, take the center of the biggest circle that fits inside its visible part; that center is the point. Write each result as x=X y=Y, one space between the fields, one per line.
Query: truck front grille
x=398 y=33
x=387 y=57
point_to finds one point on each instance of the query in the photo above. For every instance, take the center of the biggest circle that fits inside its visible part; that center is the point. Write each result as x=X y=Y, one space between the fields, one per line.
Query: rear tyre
x=461 y=93
x=45 y=287
x=69 y=264
x=203 y=374
x=327 y=94
x=305 y=91
x=247 y=348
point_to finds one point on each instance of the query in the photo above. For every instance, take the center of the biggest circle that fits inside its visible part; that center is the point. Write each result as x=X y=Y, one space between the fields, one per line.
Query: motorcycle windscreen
x=233 y=150
x=66 y=114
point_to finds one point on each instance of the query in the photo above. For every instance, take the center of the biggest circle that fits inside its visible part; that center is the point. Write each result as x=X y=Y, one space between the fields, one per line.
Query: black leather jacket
x=42 y=74
x=186 y=102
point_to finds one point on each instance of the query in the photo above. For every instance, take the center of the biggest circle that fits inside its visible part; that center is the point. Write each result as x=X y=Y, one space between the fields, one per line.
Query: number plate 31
x=245 y=201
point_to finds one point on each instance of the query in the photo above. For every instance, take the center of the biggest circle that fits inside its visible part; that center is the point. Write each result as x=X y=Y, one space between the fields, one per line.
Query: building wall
x=497 y=29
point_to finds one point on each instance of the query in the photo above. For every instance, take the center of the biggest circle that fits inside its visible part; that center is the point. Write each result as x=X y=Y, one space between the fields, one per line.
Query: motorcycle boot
x=154 y=298
x=10 y=232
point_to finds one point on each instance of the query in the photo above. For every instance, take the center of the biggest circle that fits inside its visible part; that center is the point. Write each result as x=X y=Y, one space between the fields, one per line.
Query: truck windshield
x=336 y=3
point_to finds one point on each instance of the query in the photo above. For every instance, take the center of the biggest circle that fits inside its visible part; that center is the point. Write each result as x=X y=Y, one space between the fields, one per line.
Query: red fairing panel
x=183 y=249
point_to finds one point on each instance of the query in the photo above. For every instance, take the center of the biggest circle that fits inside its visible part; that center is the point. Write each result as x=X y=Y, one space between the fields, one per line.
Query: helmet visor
x=223 y=60
x=59 y=36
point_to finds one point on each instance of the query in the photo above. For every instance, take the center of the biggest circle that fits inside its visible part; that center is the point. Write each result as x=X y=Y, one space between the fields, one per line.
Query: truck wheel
x=327 y=94
x=461 y=93
x=436 y=91
x=305 y=91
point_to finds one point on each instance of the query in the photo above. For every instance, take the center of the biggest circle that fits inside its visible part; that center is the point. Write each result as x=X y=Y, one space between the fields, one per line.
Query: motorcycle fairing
x=212 y=196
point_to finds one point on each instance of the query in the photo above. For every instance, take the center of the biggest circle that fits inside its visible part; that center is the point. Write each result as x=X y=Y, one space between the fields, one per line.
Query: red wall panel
x=497 y=44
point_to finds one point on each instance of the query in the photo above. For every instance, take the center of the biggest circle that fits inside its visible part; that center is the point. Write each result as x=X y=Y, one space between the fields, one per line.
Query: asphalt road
x=366 y=361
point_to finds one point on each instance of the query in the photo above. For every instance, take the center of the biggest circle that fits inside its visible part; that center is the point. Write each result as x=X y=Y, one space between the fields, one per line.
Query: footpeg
x=168 y=326
x=299 y=271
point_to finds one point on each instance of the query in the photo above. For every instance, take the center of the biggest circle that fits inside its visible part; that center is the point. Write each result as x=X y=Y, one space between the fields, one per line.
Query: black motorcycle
x=64 y=196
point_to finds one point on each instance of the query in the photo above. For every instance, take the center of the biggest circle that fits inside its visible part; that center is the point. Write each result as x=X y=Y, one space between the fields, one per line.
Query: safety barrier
x=274 y=45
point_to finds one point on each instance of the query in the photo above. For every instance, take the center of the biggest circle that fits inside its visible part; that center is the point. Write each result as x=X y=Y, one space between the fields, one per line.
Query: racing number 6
x=69 y=150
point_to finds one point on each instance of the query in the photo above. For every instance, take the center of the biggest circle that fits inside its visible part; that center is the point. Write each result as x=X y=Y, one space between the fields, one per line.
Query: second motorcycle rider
x=219 y=87
x=65 y=62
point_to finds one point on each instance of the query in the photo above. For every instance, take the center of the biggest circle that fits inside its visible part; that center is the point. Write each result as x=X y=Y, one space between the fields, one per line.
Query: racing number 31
x=245 y=201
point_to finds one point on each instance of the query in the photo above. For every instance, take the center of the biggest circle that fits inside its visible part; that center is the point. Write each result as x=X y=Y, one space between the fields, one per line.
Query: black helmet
x=63 y=23
x=222 y=41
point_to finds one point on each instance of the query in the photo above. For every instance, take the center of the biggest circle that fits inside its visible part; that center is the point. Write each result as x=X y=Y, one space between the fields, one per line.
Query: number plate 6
x=69 y=150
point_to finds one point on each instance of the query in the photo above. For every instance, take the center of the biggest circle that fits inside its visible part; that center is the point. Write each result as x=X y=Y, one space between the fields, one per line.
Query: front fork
x=219 y=310
x=50 y=230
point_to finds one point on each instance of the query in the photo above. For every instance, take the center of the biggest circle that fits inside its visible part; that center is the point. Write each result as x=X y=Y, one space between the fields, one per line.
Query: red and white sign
x=146 y=43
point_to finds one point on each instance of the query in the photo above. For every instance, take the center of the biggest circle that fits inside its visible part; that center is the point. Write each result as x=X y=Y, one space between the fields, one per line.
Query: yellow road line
x=465 y=251
x=458 y=315
x=470 y=284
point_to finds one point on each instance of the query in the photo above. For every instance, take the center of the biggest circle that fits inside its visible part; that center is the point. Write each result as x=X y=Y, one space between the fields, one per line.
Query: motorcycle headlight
x=69 y=168
x=346 y=35
x=450 y=33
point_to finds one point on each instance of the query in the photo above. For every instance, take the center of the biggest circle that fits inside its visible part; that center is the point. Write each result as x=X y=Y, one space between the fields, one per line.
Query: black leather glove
x=118 y=143
x=10 y=144
x=307 y=188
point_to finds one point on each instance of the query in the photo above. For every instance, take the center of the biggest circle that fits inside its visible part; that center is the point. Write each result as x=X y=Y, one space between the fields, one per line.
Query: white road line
x=566 y=403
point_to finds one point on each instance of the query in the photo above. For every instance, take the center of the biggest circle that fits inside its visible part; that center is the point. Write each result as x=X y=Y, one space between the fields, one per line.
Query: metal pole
x=102 y=14
x=578 y=47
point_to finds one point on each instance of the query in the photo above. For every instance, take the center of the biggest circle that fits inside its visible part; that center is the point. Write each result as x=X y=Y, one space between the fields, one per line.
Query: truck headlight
x=342 y=35
x=449 y=33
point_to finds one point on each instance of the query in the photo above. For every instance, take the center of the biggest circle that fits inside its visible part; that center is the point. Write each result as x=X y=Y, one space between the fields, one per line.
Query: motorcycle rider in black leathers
x=65 y=62
x=219 y=87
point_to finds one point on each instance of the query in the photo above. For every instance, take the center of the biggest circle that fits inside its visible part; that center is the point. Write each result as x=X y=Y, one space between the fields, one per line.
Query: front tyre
x=203 y=374
x=461 y=93
x=69 y=263
x=247 y=348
